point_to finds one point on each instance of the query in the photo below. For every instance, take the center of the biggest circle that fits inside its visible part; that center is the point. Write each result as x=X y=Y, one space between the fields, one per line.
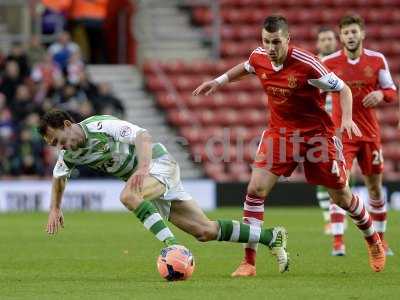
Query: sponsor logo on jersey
x=125 y=131
x=368 y=71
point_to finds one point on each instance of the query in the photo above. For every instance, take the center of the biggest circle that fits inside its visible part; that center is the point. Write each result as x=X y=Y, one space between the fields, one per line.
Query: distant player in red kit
x=300 y=131
x=366 y=72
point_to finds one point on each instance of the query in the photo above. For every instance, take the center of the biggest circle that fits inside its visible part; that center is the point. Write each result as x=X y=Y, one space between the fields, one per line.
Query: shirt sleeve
x=329 y=82
x=61 y=169
x=249 y=64
x=120 y=130
x=386 y=83
x=249 y=68
x=385 y=78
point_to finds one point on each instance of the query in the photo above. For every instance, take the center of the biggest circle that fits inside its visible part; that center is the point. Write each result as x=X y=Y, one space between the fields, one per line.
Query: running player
x=326 y=44
x=367 y=73
x=300 y=131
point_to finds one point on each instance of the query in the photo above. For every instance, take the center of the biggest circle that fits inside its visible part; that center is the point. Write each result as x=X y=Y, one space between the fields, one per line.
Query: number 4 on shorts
x=335 y=168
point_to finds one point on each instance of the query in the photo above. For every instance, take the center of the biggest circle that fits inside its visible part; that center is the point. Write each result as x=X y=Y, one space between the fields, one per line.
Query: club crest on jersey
x=368 y=71
x=264 y=76
x=292 y=82
x=125 y=131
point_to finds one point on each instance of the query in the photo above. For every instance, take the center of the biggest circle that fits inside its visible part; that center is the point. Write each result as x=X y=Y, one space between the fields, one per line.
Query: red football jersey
x=293 y=90
x=363 y=75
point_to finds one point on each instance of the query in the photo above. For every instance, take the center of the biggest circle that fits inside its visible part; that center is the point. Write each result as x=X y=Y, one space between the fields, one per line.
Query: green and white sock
x=152 y=220
x=235 y=231
x=324 y=203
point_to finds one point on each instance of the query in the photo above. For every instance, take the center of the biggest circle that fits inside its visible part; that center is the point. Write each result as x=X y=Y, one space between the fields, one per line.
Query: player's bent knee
x=375 y=192
x=341 y=197
x=130 y=199
x=254 y=189
x=206 y=233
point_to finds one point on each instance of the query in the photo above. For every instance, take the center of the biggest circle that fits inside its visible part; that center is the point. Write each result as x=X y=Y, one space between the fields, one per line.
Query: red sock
x=253 y=213
x=250 y=256
x=338 y=239
x=378 y=212
x=362 y=219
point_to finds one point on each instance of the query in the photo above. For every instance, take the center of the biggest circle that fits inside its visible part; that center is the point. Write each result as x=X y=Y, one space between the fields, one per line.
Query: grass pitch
x=111 y=256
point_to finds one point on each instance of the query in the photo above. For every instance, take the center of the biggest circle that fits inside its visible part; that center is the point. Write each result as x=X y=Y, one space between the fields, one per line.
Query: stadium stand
x=241 y=106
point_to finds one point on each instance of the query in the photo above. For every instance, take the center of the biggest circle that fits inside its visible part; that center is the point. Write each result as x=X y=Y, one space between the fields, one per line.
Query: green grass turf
x=111 y=256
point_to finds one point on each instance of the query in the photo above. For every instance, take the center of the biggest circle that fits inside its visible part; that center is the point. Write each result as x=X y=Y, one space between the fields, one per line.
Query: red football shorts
x=369 y=156
x=321 y=156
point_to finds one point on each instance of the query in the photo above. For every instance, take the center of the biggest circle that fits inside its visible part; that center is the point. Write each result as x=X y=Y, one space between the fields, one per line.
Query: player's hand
x=350 y=127
x=136 y=180
x=206 y=88
x=373 y=99
x=55 y=221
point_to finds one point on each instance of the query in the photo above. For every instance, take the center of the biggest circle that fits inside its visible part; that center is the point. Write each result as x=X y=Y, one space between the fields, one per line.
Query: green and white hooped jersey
x=109 y=148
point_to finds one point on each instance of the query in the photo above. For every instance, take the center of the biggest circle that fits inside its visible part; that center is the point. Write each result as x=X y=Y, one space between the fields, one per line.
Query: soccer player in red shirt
x=326 y=45
x=300 y=131
x=366 y=72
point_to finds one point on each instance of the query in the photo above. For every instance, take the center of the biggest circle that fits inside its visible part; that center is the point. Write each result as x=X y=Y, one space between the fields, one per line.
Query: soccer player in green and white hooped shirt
x=153 y=190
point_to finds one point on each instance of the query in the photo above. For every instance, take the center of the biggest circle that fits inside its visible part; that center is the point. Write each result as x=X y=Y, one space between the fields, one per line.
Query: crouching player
x=153 y=187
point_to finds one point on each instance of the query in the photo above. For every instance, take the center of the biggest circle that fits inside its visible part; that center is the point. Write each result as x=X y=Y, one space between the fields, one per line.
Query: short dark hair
x=325 y=29
x=275 y=23
x=351 y=19
x=55 y=119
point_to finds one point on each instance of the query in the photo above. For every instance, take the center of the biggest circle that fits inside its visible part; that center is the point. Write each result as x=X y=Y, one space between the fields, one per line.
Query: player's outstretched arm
x=346 y=103
x=236 y=73
x=56 y=218
x=144 y=152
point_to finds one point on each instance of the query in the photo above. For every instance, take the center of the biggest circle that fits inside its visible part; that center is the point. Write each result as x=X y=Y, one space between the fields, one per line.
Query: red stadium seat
x=207 y=117
x=215 y=170
x=222 y=100
x=391 y=151
x=192 y=134
x=227 y=117
x=252 y=117
x=181 y=117
x=166 y=100
x=390 y=134
x=155 y=84
x=202 y=15
x=388 y=116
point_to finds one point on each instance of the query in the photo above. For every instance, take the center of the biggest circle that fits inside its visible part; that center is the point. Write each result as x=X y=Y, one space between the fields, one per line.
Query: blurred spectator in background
x=46 y=72
x=35 y=51
x=54 y=15
x=11 y=79
x=63 y=49
x=88 y=18
x=27 y=158
x=2 y=58
x=87 y=86
x=6 y=121
x=7 y=131
x=17 y=54
x=106 y=103
x=22 y=105
x=75 y=68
